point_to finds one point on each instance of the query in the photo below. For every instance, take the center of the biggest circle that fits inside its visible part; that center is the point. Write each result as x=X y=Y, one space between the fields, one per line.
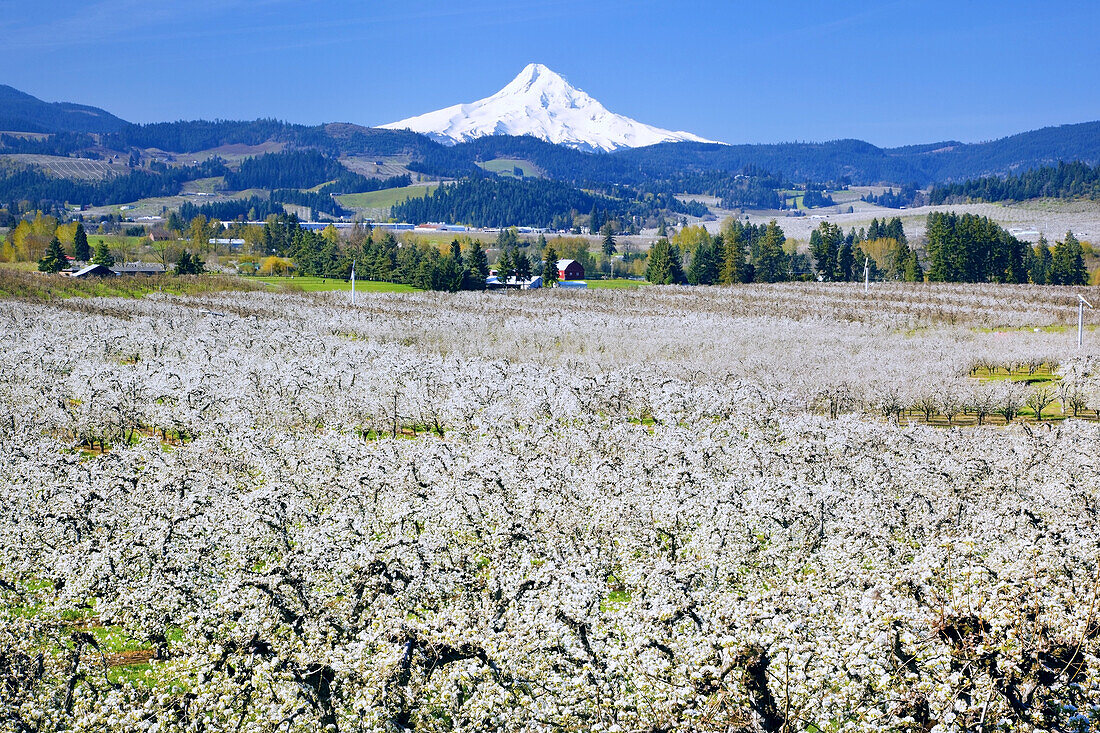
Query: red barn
x=570 y=270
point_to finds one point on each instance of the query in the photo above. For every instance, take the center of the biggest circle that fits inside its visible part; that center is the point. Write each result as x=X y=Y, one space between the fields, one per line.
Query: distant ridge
x=569 y=160
x=540 y=103
x=21 y=112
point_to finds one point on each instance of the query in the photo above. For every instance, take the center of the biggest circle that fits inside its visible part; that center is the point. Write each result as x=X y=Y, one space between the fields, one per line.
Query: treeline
x=1063 y=181
x=316 y=201
x=750 y=188
x=974 y=249
x=290 y=169
x=489 y=201
x=879 y=252
x=62 y=143
x=34 y=186
x=741 y=253
x=744 y=252
x=908 y=195
x=252 y=208
x=815 y=196
x=324 y=254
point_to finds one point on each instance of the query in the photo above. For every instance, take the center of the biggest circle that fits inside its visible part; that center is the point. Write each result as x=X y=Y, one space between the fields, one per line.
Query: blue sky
x=891 y=73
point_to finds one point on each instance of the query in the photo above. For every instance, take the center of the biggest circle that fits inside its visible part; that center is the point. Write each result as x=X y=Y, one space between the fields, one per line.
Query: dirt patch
x=125 y=659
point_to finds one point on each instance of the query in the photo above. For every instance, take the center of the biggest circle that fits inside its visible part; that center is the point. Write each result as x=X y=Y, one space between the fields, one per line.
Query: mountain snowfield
x=539 y=102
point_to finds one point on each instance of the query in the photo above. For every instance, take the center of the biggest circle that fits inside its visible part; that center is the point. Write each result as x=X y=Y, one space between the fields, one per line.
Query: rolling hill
x=21 y=112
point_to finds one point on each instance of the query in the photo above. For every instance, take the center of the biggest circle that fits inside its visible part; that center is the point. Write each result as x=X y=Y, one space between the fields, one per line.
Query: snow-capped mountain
x=541 y=103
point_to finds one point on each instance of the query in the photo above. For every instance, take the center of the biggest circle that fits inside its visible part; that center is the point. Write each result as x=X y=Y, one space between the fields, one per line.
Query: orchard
x=792 y=507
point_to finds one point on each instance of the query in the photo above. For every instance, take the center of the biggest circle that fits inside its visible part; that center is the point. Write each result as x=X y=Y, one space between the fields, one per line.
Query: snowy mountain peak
x=539 y=102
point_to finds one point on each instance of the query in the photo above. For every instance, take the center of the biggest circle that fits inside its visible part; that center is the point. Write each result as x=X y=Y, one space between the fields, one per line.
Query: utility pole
x=353 y=281
x=866 y=274
x=1081 y=303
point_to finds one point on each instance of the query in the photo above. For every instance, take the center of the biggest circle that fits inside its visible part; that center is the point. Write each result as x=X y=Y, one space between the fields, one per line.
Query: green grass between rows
x=618 y=283
x=321 y=284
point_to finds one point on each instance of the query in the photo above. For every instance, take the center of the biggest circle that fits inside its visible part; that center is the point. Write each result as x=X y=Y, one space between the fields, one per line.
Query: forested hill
x=1064 y=181
x=949 y=162
x=860 y=162
x=23 y=113
x=333 y=138
x=488 y=201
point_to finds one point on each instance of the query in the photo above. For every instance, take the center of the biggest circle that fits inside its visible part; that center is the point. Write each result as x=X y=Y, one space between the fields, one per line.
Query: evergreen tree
x=1039 y=270
x=507 y=238
x=477 y=267
x=1067 y=265
x=818 y=251
x=733 y=255
x=875 y=231
x=102 y=255
x=825 y=243
x=81 y=250
x=549 y=267
x=522 y=265
x=861 y=259
x=913 y=273
x=706 y=264
x=54 y=259
x=895 y=230
x=772 y=263
x=845 y=261
x=188 y=264
x=676 y=264
x=664 y=266
x=608 y=240
x=454 y=270
x=505 y=267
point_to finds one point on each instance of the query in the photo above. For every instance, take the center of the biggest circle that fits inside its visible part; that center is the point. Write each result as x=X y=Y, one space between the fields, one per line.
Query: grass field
x=321 y=284
x=203 y=185
x=618 y=283
x=385 y=198
x=505 y=166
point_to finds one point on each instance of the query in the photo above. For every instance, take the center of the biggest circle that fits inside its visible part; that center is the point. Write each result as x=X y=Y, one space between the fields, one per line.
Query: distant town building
x=570 y=270
x=159 y=235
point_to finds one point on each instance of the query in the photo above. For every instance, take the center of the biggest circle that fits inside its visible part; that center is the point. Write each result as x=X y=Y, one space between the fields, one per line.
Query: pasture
x=507 y=166
x=648 y=509
x=375 y=201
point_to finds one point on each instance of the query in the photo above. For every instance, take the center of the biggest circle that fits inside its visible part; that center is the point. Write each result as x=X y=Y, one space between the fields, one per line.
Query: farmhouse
x=93 y=271
x=570 y=270
x=493 y=282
